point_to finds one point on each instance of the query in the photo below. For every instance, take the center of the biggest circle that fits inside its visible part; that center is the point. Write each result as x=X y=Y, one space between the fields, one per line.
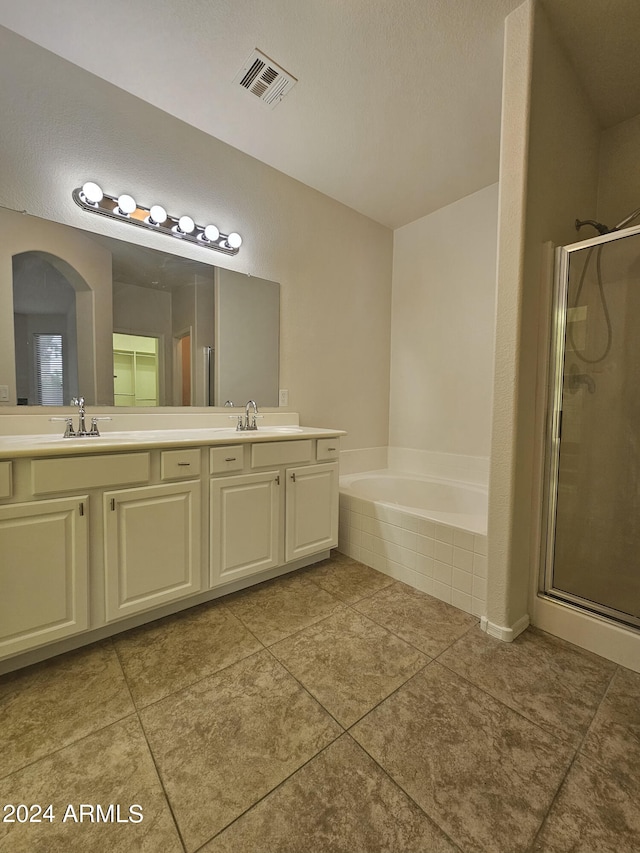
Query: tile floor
x=334 y=709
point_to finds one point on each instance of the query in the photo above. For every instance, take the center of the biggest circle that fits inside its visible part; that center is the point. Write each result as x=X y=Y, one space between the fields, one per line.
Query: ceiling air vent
x=263 y=78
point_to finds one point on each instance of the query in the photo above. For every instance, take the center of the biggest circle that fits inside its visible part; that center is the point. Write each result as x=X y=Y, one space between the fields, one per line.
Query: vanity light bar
x=124 y=208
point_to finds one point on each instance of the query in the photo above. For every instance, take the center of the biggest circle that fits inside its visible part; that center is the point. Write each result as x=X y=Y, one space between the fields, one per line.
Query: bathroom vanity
x=99 y=534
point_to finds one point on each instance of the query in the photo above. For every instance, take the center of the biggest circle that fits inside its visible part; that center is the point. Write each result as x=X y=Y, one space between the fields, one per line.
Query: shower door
x=592 y=552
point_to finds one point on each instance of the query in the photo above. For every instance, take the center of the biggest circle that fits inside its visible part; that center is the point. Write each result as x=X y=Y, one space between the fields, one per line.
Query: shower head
x=601 y=229
x=604 y=229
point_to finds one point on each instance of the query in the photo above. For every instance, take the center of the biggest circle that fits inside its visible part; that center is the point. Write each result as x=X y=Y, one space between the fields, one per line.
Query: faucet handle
x=94 y=423
x=239 y=424
x=69 y=431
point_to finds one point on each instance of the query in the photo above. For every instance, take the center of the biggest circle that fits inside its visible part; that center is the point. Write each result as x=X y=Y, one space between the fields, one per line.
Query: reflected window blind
x=48 y=359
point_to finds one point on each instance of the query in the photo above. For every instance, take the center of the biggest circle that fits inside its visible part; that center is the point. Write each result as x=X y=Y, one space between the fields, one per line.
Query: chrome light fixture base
x=108 y=205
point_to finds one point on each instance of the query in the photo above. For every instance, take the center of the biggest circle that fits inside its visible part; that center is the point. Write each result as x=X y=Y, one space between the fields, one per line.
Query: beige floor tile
x=225 y=742
x=614 y=737
x=348 y=663
x=340 y=802
x=278 y=608
x=553 y=683
x=52 y=704
x=347 y=579
x=110 y=767
x=426 y=622
x=482 y=772
x=168 y=655
x=595 y=812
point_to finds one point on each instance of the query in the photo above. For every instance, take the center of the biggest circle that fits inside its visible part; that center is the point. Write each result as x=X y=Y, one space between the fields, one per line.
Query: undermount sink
x=73 y=439
x=262 y=430
x=280 y=429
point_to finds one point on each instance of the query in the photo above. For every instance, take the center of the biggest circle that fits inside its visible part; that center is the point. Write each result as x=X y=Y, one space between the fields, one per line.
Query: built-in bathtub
x=425 y=531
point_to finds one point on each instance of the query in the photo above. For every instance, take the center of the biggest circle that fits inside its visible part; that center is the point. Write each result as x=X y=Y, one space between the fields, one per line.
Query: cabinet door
x=43 y=572
x=152 y=546
x=312 y=510
x=245 y=525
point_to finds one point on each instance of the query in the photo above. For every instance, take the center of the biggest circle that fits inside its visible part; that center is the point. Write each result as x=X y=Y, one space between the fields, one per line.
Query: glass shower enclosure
x=591 y=553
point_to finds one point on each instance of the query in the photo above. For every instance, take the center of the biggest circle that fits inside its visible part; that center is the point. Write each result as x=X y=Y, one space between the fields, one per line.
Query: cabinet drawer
x=6 y=480
x=88 y=472
x=281 y=453
x=328 y=448
x=179 y=464
x=224 y=459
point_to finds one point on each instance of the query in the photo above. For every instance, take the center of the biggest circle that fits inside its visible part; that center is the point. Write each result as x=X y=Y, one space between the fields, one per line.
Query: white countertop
x=12 y=446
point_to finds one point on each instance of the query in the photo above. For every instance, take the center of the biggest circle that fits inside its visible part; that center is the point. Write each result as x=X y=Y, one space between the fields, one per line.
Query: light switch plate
x=4 y=393
x=283 y=397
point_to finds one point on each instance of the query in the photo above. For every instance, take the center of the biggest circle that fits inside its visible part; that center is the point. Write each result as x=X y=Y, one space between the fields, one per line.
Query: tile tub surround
x=386 y=721
x=447 y=562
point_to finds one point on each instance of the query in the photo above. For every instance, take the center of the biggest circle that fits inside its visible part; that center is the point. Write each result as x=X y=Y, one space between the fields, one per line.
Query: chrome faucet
x=249 y=420
x=251 y=424
x=82 y=425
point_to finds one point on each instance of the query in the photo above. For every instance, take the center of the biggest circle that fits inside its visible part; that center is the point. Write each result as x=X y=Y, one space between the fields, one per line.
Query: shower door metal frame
x=553 y=420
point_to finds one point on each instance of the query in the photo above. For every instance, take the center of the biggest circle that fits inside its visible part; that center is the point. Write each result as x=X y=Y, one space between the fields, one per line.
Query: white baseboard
x=507 y=635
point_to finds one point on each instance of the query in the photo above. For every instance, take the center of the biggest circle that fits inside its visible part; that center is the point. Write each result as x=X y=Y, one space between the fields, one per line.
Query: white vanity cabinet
x=43 y=572
x=95 y=538
x=245 y=525
x=270 y=518
x=151 y=546
x=311 y=510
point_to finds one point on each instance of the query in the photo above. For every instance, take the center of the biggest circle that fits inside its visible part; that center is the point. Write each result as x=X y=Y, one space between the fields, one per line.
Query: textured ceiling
x=397 y=108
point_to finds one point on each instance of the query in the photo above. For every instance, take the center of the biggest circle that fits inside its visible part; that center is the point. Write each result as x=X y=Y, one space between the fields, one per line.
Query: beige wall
x=619 y=185
x=442 y=329
x=549 y=167
x=62 y=126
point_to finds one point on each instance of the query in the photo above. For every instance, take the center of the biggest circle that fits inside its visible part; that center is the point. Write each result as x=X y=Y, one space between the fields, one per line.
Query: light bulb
x=211 y=233
x=92 y=192
x=186 y=224
x=126 y=204
x=234 y=240
x=157 y=214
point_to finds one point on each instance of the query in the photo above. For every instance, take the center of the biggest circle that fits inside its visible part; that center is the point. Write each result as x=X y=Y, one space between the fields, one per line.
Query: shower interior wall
x=573 y=168
x=596 y=539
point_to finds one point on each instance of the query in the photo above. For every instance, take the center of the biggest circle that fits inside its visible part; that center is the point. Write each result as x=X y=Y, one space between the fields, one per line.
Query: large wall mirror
x=126 y=325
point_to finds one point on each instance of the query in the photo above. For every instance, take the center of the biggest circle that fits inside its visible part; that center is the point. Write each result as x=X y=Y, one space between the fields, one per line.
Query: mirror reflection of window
x=49 y=367
x=44 y=322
